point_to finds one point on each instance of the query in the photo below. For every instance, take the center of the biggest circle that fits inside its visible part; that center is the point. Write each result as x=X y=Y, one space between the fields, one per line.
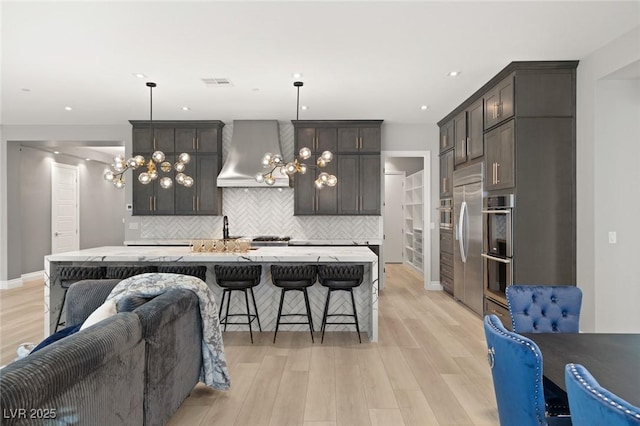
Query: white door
x=64 y=208
x=393 y=216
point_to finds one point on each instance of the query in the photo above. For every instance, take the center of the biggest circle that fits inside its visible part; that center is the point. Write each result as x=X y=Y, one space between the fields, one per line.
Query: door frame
x=384 y=204
x=426 y=210
x=55 y=165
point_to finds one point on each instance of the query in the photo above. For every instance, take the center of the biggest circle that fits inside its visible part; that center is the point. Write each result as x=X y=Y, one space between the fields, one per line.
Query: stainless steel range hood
x=250 y=140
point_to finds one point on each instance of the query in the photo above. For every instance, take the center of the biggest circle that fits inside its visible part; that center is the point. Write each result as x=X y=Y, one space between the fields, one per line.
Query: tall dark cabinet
x=202 y=140
x=355 y=145
x=528 y=117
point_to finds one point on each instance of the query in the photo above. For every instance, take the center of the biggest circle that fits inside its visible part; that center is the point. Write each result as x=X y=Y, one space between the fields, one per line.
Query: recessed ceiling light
x=56 y=152
x=424 y=107
x=454 y=73
x=88 y=159
x=25 y=89
x=255 y=89
x=304 y=107
x=186 y=108
x=68 y=108
x=139 y=75
x=296 y=75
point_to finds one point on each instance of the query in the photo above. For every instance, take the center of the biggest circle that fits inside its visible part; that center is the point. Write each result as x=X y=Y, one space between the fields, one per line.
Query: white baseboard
x=18 y=282
x=434 y=285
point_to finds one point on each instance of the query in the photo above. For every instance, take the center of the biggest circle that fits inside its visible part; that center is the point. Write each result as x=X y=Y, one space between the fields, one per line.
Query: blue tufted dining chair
x=593 y=405
x=544 y=309
x=516 y=367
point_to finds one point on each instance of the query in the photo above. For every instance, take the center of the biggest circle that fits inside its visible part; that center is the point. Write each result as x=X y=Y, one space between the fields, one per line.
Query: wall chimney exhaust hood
x=249 y=142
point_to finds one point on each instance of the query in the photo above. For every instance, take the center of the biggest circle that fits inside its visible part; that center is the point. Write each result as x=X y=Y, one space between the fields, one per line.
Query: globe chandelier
x=276 y=164
x=120 y=165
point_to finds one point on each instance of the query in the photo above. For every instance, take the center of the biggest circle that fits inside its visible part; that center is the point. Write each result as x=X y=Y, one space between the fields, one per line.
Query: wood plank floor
x=428 y=367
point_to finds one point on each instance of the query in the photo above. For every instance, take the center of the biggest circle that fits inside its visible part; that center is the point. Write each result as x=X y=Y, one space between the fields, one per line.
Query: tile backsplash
x=261 y=211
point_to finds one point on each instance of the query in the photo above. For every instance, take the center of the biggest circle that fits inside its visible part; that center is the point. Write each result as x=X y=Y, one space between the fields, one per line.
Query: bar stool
x=72 y=274
x=294 y=278
x=340 y=278
x=238 y=278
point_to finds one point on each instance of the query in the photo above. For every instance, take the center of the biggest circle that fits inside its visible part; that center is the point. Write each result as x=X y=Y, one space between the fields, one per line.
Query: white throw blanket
x=214 y=371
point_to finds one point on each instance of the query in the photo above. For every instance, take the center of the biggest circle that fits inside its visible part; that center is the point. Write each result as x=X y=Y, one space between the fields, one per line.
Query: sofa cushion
x=106 y=310
x=131 y=303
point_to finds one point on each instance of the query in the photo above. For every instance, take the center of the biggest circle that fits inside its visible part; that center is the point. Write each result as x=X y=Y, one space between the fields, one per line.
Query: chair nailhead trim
x=583 y=382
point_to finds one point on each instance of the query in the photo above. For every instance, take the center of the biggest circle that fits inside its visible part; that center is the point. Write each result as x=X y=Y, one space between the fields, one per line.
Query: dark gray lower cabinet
x=359 y=184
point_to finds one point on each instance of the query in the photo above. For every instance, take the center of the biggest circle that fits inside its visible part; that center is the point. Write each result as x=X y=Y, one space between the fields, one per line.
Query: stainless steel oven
x=497 y=245
x=446 y=213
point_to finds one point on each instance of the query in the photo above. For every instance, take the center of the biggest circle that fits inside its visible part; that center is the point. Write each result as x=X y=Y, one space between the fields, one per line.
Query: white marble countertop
x=183 y=254
x=296 y=242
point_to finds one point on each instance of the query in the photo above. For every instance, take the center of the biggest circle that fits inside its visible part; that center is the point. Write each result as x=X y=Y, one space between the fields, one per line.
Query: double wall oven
x=497 y=251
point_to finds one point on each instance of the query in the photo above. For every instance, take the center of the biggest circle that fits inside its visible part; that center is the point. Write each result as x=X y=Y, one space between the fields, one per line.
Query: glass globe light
x=302 y=168
x=290 y=168
x=321 y=162
x=268 y=156
x=266 y=162
x=179 y=166
x=131 y=162
x=327 y=156
x=332 y=180
x=158 y=156
x=118 y=159
x=118 y=167
x=184 y=158
x=165 y=166
x=277 y=159
x=153 y=174
x=319 y=183
x=119 y=183
x=269 y=180
x=144 y=178
x=139 y=160
x=188 y=181
x=166 y=182
x=259 y=178
x=324 y=176
x=305 y=153
x=180 y=178
x=108 y=175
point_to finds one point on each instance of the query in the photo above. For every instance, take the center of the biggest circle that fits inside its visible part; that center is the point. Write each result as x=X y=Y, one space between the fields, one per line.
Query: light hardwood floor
x=428 y=367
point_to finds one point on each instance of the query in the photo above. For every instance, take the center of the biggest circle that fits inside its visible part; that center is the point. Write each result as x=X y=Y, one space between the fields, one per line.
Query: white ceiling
x=360 y=60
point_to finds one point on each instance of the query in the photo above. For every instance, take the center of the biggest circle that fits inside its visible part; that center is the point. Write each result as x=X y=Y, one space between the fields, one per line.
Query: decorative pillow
x=68 y=331
x=106 y=310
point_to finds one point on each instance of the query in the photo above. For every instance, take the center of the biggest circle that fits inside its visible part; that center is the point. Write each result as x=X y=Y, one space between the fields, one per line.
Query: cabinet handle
x=493 y=173
x=150 y=203
x=497 y=313
x=500 y=110
x=193 y=143
x=154 y=143
x=444 y=140
x=497 y=173
x=193 y=204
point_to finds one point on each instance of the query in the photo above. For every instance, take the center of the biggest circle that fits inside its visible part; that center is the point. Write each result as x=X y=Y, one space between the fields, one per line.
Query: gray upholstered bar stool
x=72 y=274
x=238 y=278
x=296 y=278
x=340 y=278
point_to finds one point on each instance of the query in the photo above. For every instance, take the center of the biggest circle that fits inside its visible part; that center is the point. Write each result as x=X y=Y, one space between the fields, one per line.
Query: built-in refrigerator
x=468 y=282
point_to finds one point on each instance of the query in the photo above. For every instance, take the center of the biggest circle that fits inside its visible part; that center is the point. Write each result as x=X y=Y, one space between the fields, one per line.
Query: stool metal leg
x=226 y=318
x=355 y=313
x=284 y=290
x=246 y=299
x=224 y=293
x=324 y=317
x=64 y=298
x=255 y=307
x=306 y=302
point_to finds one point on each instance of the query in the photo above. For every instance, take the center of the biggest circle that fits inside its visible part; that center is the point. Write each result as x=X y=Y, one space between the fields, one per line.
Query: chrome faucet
x=225 y=227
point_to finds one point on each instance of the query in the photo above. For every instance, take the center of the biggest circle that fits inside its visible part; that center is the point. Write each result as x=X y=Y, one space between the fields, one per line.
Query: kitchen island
x=267 y=295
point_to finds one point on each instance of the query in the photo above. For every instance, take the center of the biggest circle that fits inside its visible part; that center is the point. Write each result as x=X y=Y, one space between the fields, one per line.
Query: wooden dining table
x=612 y=359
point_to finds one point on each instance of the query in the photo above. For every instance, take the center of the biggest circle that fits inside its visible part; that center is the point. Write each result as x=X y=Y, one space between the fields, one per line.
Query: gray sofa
x=135 y=368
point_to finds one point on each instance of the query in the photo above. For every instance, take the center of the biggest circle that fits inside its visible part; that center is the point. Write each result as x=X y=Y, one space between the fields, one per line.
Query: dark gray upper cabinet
x=446 y=136
x=359 y=140
x=475 y=139
x=203 y=141
x=499 y=158
x=446 y=175
x=356 y=164
x=498 y=103
x=460 y=137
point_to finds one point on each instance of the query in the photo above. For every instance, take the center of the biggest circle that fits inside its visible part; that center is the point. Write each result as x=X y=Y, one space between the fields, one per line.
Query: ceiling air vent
x=217 y=82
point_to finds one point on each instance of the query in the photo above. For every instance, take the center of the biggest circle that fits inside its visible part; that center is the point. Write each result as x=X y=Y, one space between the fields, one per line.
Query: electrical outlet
x=133 y=225
x=613 y=237
x=129 y=207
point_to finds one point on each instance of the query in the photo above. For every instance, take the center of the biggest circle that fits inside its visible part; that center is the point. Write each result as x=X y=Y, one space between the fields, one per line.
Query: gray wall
x=607 y=179
x=101 y=209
